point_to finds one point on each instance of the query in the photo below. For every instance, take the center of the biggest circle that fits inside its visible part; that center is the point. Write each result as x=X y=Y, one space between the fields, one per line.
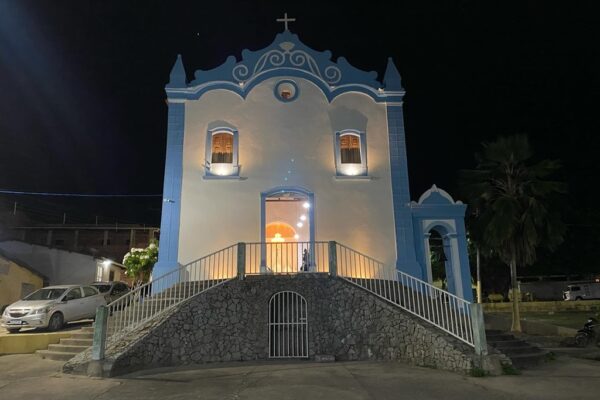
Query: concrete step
x=83 y=335
x=522 y=354
x=510 y=351
x=508 y=343
x=67 y=348
x=76 y=342
x=499 y=337
x=529 y=360
x=55 y=355
x=88 y=329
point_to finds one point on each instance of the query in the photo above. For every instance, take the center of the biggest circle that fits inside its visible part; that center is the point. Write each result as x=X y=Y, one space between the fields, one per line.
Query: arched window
x=222 y=153
x=350 y=148
x=351 y=153
x=222 y=148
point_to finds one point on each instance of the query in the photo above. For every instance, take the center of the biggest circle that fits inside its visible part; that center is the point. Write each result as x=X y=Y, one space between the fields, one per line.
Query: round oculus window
x=286 y=90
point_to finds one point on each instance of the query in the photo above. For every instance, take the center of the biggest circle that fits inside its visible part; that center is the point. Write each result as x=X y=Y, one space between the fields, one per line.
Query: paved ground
x=29 y=377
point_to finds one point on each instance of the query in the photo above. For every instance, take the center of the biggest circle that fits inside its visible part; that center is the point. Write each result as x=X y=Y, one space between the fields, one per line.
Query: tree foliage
x=139 y=262
x=512 y=198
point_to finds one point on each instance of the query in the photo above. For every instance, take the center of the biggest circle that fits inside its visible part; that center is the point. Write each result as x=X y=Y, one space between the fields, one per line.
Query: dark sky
x=82 y=83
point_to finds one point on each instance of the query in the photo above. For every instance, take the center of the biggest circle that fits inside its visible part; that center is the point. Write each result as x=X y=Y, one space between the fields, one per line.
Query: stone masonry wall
x=230 y=323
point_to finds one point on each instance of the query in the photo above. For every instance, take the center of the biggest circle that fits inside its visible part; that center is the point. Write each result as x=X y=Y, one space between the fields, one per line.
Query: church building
x=289 y=147
x=288 y=229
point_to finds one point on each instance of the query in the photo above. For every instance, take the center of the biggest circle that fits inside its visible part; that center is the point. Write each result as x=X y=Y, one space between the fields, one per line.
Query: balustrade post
x=332 y=258
x=479 y=338
x=100 y=325
x=241 y=260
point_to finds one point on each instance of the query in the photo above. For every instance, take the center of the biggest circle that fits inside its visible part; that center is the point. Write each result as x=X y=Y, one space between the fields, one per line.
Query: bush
x=139 y=262
x=477 y=372
x=508 y=369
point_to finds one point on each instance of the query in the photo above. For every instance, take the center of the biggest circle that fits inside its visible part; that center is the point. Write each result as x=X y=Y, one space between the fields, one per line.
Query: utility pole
x=15 y=209
x=478 y=278
x=64 y=218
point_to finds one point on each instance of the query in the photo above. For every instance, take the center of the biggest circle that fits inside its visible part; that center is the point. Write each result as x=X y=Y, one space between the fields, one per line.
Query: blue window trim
x=291 y=82
x=363 y=152
x=208 y=152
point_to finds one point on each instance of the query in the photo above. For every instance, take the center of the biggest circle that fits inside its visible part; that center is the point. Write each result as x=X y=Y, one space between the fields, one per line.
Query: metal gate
x=288 y=326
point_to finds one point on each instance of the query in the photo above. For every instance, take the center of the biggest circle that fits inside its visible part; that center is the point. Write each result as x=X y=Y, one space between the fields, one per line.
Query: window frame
x=362 y=166
x=235 y=167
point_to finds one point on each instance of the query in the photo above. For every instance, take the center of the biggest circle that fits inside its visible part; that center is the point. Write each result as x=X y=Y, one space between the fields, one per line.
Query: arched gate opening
x=288 y=326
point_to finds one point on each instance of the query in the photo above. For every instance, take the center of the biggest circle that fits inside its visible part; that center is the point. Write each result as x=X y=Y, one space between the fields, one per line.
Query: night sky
x=82 y=104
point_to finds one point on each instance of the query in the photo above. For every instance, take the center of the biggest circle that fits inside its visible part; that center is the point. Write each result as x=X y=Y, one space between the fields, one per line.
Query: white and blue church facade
x=286 y=144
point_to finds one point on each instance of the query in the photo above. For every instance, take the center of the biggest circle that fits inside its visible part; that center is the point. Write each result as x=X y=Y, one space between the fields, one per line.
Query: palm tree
x=511 y=195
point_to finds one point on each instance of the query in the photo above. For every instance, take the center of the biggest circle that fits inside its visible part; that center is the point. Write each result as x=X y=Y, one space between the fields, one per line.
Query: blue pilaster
x=171 y=206
x=405 y=246
x=465 y=271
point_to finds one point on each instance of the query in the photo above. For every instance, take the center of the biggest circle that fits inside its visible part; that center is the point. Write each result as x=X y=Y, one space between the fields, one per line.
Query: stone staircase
x=522 y=354
x=68 y=348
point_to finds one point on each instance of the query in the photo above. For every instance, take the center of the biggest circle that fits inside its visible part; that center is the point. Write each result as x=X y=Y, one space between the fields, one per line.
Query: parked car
x=582 y=291
x=51 y=307
x=112 y=290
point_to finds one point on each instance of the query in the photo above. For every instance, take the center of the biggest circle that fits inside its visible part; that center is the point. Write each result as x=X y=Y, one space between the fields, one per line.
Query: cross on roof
x=285 y=20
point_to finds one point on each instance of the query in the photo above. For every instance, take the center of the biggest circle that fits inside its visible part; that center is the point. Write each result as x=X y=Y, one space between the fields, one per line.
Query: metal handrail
x=286 y=257
x=148 y=301
x=442 y=309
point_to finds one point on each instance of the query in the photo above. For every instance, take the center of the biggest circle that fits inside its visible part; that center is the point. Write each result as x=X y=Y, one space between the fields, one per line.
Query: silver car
x=51 y=307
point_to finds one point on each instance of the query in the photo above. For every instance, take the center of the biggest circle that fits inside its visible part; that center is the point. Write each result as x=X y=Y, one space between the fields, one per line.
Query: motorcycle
x=586 y=335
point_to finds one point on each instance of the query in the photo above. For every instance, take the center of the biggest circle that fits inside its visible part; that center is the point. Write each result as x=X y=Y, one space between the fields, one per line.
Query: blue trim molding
x=171 y=207
x=210 y=170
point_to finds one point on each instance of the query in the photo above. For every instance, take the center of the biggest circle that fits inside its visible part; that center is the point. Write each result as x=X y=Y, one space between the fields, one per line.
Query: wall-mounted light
x=306 y=205
x=222 y=169
x=351 y=169
x=303 y=217
x=299 y=224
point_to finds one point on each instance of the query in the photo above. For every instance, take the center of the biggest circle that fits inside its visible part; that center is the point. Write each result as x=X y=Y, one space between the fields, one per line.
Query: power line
x=16 y=192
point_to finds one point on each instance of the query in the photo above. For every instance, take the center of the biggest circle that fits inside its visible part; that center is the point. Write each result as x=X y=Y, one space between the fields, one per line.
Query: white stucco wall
x=274 y=138
x=60 y=266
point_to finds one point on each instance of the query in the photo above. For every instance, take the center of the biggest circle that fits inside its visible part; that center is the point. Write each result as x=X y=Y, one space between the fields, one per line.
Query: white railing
x=153 y=298
x=436 y=306
x=286 y=257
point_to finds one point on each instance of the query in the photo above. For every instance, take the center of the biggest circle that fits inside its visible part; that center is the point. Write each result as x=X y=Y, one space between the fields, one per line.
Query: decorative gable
x=286 y=56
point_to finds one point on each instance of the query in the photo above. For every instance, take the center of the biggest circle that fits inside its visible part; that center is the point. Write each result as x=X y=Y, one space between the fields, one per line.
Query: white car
x=582 y=291
x=51 y=307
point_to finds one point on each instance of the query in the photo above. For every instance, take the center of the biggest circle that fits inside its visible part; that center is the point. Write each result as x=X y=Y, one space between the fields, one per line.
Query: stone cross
x=285 y=20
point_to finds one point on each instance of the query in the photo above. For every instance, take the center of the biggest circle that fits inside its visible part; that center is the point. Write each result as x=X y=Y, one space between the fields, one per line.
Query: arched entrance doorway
x=288 y=325
x=287 y=230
